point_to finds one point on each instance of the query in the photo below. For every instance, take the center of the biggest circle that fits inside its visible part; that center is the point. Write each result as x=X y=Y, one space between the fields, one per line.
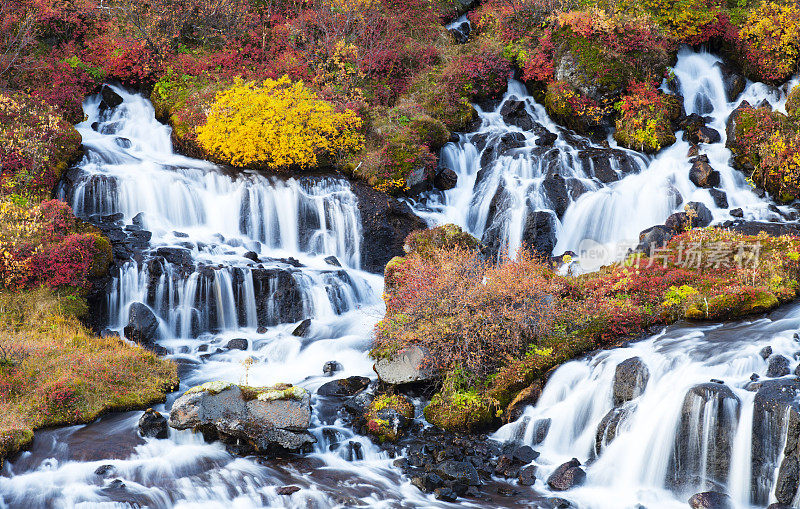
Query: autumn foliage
x=277 y=125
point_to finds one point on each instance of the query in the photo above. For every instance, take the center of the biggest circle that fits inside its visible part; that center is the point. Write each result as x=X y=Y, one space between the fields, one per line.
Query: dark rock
x=765 y=352
x=719 y=197
x=539 y=232
x=332 y=260
x=733 y=81
x=710 y=500
x=445 y=179
x=527 y=476
x=788 y=479
x=110 y=99
x=609 y=425
x=524 y=454
x=106 y=471
x=123 y=142
x=153 y=424
x=358 y=404
x=237 y=344
x=287 y=490
x=301 y=330
x=458 y=471
x=567 y=476
x=331 y=367
x=701 y=217
x=514 y=113
x=702 y=174
x=344 y=387
x=654 y=238
x=142 y=324
x=428 y=482
x=546 y=139
x=708 y=404
x=558 y=503
x=252 y=255
x=630 y=380
x=261 y=330
x=385 y=223
x=737 y=212
x=460 y=33
x=606 y=164
x=445 y=494
x=708 y=135
x=778 y=366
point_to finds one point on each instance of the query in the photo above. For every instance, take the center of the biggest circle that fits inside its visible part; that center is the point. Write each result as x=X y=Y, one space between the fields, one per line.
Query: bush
x=277 y=125
x=770 y=41
x=571 y=108
x=645 y=118
x=36 y=145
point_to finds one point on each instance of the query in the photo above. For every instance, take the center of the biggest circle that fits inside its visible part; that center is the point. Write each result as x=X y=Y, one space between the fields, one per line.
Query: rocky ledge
x=249 y=420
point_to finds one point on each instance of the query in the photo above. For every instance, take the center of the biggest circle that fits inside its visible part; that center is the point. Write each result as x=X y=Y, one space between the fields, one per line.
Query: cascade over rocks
x=445 y=179
x=261 y=420
x=610 y=425
x=385 y=224
x=733 y=81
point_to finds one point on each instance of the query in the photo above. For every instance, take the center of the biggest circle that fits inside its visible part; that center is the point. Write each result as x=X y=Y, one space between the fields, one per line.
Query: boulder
x=765 y=352
x=777 y=366
x=708 y=135
x=737 y=212
x=459 y=471
x=345 y=387
x=527 y=476
x=153 y=424
x=109 y=98
x=539 y=232
x=680 y=221
x=719 y=197
x=567 y=476
x=142 y=324
x=712 y=405
x=237 y=344
x=776 y=432
x=460 y=32
x=267 y=419
x=610 y=425
x=445 y=179
x=702 y=174
x=385 y=223
x=710 y=500
x=331 y=367
x=630 y=380
x=654 y=238
x=407 y=366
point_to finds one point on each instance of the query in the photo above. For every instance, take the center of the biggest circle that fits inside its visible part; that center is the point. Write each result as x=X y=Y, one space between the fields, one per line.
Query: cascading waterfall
x=221 y=257
x=518 y=183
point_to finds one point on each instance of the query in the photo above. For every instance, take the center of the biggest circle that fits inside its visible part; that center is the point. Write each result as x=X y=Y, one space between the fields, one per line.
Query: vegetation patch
x=495 y=328
x=646 y=117
x=55 y=372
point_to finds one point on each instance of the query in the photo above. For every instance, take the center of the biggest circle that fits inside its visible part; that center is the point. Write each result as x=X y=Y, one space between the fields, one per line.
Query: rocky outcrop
x=740 y=160
x=385 y=224
x=411 y=365
x=539 y=232
x=109 y=98
x=261 y=420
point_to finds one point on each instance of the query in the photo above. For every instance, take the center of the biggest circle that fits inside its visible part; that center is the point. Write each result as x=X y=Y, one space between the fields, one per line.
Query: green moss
x=273 y=393
x=13 y=441
x=793 y=104
x=213 y=387
x=731 y=306
x=448 y=236
x=380 y=428
x=464 y=411
x=102 y=258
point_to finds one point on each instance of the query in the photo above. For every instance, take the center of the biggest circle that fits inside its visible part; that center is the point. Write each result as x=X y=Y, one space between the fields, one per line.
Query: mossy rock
x=463 y=412
x=380 y=418
x=447 y=236
x=731 y=306
x=390 y=273
x=14 y=440
x=272 y=393
x=102 y=258
x=793 y=104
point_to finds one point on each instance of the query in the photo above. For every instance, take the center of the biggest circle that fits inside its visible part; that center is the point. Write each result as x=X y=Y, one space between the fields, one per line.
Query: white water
x=217 y=218
x=607 y=214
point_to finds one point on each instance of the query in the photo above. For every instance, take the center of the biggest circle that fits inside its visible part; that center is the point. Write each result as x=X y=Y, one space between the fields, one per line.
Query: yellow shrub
x=771 y=36
x=276 y=125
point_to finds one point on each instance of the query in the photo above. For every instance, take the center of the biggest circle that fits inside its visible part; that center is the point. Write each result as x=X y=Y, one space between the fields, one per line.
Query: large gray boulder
x=142 y=324
x=407 y=366
x=270 y=419
x=630 y=380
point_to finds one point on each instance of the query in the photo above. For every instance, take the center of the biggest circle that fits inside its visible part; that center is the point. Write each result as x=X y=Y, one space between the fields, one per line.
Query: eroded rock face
x=267 y=419
x=408 y=366
x=630 y=380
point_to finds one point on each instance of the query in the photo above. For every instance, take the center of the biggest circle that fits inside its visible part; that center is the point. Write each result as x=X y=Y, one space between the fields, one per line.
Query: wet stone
x=778 y=366
x=287 y=490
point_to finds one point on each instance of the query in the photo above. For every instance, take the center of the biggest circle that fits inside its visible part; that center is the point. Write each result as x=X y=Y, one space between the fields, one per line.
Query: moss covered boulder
x=447 y=236
x=265 y=418
x=388 y=416
x=731 y=306
x=463 y=411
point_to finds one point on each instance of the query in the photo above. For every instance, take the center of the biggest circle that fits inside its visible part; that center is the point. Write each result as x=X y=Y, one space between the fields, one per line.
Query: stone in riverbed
x=702 y=174
x=407 y=366
x=344 y=387
x=153 y=424
x=142 y=324
x=567 y=476
x=777 y=366
x=459 y=471
x=302 y=329
x=268 y=418
x=710 y=500
x=237 y=344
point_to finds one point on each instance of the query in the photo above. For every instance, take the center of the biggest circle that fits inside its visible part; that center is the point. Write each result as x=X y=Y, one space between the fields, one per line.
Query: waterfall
x=524 y=179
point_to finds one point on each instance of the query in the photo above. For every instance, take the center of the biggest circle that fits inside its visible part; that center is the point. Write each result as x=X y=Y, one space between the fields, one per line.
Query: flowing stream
x=220 y=257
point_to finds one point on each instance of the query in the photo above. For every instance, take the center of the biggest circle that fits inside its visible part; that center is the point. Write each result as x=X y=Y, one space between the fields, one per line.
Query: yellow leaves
x=278 y=124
